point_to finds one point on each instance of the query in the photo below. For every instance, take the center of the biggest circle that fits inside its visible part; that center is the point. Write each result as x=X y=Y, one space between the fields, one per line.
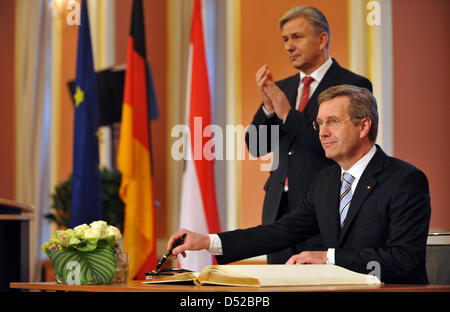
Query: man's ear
x=365 y=124
x=323 y=40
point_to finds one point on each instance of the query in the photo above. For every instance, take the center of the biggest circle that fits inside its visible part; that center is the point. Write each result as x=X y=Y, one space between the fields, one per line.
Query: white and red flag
x=198 y=198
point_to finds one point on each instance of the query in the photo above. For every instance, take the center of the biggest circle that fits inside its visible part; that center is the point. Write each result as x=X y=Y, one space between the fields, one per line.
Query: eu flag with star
x=86 y=179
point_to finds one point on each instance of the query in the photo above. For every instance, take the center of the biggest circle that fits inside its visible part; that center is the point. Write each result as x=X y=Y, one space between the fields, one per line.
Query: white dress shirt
x=356 y=171
x=215 y=246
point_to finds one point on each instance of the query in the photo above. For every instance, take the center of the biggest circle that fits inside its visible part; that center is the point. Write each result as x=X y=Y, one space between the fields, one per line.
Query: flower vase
x=75 y=267
x=87 y=254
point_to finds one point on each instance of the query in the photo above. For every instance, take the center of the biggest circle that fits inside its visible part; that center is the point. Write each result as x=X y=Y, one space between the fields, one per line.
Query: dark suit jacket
x=387 y=222
x=301 y=155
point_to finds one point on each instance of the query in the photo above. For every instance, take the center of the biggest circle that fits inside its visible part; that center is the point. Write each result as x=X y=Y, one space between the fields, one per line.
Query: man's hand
x=263 y=76
x=193 y=241
x=278 y=98
x=274 y=99
x=309 y=257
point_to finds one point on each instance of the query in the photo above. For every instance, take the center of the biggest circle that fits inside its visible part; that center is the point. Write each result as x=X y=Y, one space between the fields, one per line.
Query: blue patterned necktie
x=346 y=196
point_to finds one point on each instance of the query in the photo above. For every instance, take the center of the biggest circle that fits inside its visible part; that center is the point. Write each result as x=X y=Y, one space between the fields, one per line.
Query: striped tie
x=346 y=195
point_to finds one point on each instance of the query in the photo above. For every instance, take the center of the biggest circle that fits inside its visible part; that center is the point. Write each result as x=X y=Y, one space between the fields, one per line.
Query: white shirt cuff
x=330 y=256
x=215 y=245
x=268 y=114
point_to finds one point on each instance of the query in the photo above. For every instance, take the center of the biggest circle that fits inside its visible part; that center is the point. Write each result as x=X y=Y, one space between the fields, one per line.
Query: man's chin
x=329 y=153
x=297 y=64
x=299 y=67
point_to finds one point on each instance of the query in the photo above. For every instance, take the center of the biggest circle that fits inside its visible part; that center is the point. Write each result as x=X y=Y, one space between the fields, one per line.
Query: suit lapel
x=330 y=79
x=366 y=185
x=292 y=89
x=332 y=207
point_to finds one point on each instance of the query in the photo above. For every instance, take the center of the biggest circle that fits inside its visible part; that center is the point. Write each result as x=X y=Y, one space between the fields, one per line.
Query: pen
x=178 y=242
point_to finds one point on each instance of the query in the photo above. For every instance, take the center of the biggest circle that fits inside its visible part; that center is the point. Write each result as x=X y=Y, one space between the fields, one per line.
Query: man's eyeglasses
x=330 y=123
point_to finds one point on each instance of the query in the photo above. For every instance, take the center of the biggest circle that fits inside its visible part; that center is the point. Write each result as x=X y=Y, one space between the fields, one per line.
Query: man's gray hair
x=317 y=20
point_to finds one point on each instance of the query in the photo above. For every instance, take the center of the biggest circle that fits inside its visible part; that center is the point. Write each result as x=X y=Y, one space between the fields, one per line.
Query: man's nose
x=288 y=45
x=324 y=130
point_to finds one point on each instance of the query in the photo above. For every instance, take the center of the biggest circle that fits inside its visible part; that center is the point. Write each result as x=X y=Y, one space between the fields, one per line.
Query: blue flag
x=153 y=112
x=86 y=180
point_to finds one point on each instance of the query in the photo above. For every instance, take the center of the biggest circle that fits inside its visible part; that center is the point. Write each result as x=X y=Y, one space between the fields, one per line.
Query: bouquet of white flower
x=84 y=254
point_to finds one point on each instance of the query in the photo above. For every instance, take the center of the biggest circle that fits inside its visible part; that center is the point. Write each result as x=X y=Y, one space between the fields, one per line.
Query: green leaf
x=74 y=241
x=87 y=245
x=111 y=240
x=84 y=267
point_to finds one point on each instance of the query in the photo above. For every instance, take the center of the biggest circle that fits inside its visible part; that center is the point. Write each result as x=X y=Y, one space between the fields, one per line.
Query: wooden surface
x=13 y=204
x=137 y=286
x=13 y=217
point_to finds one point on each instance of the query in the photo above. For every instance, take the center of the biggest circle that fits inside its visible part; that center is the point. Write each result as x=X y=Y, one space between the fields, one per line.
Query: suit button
x=290 y=153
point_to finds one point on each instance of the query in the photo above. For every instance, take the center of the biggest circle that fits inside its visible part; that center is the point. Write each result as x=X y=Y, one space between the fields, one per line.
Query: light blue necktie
x=346 y=195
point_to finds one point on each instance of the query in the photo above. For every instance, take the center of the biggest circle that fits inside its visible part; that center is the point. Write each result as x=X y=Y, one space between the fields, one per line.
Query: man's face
x=340 y=137
x=304 y=48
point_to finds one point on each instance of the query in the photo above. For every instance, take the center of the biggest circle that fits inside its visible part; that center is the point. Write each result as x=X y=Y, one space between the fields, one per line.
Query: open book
x=269 y=275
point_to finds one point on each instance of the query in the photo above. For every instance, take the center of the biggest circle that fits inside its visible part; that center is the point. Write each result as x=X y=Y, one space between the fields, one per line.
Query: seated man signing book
x=369 y=208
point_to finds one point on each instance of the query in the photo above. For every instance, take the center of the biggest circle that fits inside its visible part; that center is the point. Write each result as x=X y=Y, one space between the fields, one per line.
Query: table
x=15 y=221
x=137 y=286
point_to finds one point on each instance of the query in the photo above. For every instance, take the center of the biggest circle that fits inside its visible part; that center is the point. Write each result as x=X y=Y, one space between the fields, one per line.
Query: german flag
x=134 y=155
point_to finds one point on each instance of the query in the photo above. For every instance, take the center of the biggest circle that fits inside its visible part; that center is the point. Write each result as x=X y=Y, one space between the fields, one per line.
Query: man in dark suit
x=305 y=33
x=370 y=210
